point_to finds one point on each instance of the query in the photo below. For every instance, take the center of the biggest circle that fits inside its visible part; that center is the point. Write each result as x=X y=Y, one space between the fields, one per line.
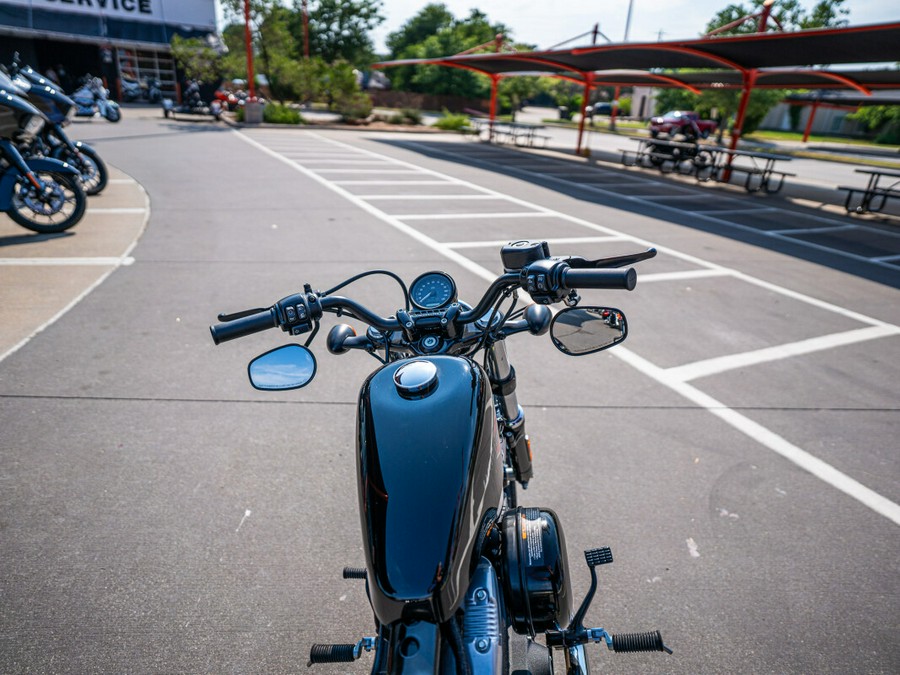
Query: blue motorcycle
x=53 y=140
x=41 y=194
x=93 y=98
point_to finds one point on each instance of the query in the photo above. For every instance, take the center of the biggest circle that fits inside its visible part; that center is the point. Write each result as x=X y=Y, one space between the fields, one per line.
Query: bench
x=874 y=197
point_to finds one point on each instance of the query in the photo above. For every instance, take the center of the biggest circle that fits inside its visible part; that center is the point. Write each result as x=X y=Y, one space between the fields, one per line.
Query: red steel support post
x=809 y=122
x=495 y=79
x=749 y=81
x=249 y=43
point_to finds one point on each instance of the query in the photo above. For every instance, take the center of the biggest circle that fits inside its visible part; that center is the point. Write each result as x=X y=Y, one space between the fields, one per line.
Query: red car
x=682 y=122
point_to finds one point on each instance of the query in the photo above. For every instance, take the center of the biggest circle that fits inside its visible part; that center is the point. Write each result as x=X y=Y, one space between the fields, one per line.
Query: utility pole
x=305 y=32
x=249 y=44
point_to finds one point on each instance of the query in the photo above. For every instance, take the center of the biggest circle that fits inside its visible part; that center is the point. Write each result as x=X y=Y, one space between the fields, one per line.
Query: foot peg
x=577 y=634
x=354 y=572
x=339 y=653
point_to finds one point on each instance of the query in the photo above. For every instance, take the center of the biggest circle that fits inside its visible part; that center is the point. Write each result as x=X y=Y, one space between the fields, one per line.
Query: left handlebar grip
x=231 y=330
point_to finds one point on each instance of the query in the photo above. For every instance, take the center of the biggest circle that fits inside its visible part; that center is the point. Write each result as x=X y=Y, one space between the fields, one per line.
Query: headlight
x=32 y=125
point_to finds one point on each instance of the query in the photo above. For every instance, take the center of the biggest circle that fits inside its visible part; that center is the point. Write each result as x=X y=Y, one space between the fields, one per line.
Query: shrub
x=452 y=121
x=276 y=113
x=354 y=107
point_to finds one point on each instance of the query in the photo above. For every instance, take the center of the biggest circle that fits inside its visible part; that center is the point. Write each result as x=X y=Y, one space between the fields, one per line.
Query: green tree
x=196 y=58
x=339 y=29
x=882 y=119
x=789 y=14
x=430 y=19
x=450 y=38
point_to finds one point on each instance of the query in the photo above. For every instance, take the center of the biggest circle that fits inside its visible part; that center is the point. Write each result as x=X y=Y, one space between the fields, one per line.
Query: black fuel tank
x=430 y=473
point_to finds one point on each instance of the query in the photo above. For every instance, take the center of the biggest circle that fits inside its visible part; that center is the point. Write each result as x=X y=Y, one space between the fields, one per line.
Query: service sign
x=192 y=13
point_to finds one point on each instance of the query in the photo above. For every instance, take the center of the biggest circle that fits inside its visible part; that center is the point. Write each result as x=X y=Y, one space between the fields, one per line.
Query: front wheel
x=92 y=168
x=56 y=208
x=113 y=114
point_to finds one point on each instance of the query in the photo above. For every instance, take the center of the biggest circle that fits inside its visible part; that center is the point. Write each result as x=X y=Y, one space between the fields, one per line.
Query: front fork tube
x=512 y=418
x=14 y=157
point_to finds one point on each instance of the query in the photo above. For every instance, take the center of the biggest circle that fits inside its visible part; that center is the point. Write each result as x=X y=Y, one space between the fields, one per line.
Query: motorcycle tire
x=59 y=209
x=94 y=174
x=113 y=114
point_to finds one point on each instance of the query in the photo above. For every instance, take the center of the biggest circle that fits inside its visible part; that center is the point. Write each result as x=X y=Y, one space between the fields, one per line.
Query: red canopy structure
x=783 y=60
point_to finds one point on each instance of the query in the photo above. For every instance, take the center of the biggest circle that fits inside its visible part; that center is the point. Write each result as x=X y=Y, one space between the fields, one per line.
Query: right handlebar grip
x=247 y=325
x=602 y=278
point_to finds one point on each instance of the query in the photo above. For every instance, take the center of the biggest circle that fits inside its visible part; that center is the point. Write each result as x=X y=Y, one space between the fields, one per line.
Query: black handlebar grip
x=247 y=325
x=604 y=278
x=331 y=654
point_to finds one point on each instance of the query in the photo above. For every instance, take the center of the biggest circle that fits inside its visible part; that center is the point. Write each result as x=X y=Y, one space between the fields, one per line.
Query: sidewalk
x=42 y=276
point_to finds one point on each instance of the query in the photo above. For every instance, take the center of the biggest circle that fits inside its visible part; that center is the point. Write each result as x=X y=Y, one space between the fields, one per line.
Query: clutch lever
x=225 y=318
x=613 y=262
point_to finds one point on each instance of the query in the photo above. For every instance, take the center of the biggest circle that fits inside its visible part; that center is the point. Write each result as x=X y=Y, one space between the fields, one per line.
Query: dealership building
x=115 y=39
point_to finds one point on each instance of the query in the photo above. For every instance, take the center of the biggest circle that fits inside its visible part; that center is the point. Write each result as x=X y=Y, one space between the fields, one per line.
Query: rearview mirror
x=288 y=367
x=577 y=331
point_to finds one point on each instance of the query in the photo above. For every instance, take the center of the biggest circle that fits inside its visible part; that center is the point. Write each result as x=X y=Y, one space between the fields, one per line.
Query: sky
x=546 y=24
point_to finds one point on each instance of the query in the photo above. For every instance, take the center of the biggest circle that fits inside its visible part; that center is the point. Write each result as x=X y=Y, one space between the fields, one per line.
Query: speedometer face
x=432 y=290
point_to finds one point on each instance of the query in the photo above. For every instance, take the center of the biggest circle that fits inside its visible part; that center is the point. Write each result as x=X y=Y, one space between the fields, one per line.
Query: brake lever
x=613 y=262
x=225 y=318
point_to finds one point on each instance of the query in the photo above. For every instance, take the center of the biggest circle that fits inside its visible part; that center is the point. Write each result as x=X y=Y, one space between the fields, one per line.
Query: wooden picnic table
x=874 y=195
x=706 y=161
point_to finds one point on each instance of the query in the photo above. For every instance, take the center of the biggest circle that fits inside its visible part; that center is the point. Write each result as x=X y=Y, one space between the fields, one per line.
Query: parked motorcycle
x=92 y=98
x=41 y=194
x=53 y=141
x=193 y=104
x=453 y=562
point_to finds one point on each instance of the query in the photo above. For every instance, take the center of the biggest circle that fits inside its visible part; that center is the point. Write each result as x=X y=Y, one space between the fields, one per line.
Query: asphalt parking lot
x=738 y=452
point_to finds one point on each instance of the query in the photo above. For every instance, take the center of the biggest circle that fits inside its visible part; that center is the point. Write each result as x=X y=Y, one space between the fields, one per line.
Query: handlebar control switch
x=542 y=279
x=294 y=315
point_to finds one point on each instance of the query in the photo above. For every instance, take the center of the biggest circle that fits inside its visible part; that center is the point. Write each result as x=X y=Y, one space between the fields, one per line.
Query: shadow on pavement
x=825 y=238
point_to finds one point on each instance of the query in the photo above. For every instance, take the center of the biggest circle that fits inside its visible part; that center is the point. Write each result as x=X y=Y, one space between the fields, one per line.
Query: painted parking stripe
x=124 y=260
x=721 y=364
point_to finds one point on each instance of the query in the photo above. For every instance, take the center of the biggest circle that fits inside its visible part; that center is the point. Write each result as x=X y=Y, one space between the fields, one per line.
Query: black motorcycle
x=41 y=194
x=452 y=560
x=53 y=140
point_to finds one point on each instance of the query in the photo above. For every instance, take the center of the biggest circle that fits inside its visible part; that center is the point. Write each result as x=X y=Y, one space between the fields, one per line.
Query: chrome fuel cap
x=416 y=379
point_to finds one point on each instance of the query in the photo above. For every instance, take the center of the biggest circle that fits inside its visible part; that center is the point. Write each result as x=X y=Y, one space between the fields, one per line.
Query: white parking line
x=739 y=422
x=123 y=210
x=451 y=216
x=721 y=364
x=683 y=275
x=427 y=197
x=560 y=240
x=124 y=260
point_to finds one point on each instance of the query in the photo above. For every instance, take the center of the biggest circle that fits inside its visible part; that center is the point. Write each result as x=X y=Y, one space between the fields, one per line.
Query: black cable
x=388 y=273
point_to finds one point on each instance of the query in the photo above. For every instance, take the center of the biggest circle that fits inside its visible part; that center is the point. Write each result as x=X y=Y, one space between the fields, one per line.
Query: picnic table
x=706 y=161
x=874 y=195
x=518 y=133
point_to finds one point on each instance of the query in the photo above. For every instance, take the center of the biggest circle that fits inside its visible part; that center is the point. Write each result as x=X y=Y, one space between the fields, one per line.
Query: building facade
x=123 y=41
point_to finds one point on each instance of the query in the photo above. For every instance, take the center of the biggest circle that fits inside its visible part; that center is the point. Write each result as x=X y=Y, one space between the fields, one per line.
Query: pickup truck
x=683 y=122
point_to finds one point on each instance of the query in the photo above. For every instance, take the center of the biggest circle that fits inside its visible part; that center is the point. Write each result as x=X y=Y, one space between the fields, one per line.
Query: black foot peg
x=354 y=572
x=639 y=642
x=331 y=654
x=339 y=653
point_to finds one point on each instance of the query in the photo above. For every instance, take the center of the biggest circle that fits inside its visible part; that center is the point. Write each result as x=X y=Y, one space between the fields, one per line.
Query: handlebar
x=547 y=281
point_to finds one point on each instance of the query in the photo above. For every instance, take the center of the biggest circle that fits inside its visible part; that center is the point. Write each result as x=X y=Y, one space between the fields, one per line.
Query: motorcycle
x=193 y=104
x=53 y=141
x=92 y=98
x=41 y=194
x=453 y=562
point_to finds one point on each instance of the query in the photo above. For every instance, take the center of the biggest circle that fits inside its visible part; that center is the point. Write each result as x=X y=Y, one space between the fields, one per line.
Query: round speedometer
x=432 y=290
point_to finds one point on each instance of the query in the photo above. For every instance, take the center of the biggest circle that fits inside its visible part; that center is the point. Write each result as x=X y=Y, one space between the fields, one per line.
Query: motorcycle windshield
x=429 y=471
